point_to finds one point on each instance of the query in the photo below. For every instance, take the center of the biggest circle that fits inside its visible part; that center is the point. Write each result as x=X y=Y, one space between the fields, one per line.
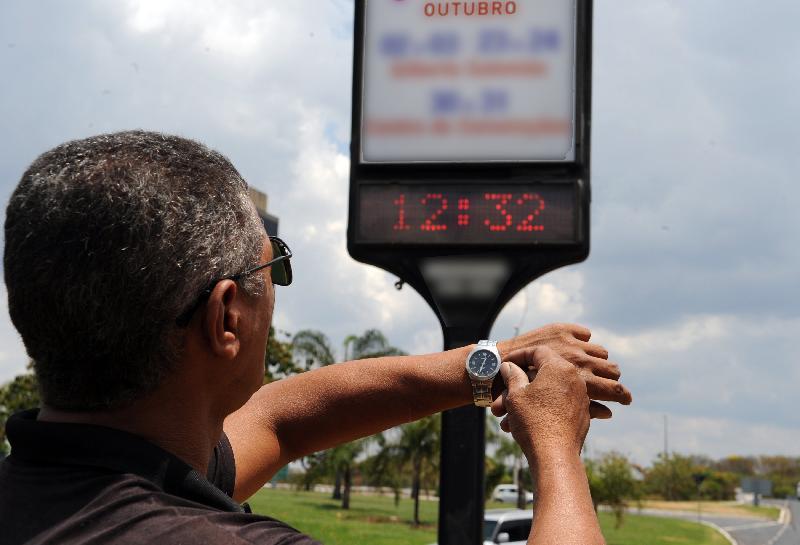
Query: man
x=142 y=283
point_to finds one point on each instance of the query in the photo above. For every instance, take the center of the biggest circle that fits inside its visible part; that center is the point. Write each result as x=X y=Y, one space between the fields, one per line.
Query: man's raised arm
x=549 y=419
x=319 y=409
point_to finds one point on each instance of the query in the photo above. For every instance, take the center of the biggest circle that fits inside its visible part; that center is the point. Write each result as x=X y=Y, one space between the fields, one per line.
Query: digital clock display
x=468 y=214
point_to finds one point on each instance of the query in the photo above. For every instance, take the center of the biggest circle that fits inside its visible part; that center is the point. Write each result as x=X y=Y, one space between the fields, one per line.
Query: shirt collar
x=56 y=443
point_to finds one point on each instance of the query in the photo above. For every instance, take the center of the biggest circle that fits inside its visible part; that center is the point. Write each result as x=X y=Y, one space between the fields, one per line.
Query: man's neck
x=183 y=427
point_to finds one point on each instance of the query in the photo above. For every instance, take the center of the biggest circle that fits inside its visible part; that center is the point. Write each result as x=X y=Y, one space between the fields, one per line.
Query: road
x=747 y=530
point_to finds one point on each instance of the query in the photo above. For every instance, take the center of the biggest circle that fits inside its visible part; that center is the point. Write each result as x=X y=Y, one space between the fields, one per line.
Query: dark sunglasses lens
x=282 y=270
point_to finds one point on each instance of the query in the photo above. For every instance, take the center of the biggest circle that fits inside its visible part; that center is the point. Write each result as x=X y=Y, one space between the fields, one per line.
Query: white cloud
x=680 y=337
x=556 y=297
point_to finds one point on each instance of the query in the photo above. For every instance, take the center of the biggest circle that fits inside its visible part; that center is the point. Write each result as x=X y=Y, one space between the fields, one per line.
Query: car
x=507 y=493
x=510 y=526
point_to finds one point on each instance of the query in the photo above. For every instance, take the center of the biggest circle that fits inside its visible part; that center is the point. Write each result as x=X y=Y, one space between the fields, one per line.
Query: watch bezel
x=486 y=378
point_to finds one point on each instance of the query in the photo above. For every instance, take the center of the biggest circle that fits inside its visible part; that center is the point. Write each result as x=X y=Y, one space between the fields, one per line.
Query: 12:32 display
x=467 y=214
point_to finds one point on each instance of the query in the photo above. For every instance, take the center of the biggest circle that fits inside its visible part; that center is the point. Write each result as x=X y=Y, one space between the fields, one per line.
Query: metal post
x=462 y=461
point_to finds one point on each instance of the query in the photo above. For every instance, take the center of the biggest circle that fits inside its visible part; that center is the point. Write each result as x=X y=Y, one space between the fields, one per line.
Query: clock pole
x=462 y=459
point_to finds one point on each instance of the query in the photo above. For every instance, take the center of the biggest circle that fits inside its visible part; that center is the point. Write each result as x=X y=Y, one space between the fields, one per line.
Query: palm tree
x=419 y=445
x=315 y=349
x=508 y=448
x=416 y=448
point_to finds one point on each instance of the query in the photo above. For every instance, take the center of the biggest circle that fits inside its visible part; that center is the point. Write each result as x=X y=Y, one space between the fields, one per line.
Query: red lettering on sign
x=533 y=204
x=430 y=223
x=400 y=203
x=501 y=207
x=469 y=9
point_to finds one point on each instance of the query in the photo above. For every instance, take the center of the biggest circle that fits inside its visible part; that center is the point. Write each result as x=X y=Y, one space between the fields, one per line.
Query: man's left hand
x=571 y=342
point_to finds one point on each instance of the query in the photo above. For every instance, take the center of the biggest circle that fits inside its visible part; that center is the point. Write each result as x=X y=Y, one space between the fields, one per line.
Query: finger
x=498 y=406
x=513 y=376
x=523 y=357
x=599 y=411
x=600 y=367
x=596 y=350
x=603 y=389
x=579 y=332
x=504 y=425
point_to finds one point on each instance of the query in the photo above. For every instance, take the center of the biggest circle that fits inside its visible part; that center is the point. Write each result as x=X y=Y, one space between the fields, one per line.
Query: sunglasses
x=281 y=267
x=281 y=275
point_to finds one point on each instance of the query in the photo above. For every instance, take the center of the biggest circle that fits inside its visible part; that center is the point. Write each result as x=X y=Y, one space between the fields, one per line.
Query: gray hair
x=109 y=240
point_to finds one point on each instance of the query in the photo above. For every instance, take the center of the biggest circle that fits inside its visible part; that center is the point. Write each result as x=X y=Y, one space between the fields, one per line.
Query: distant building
x=260 y=200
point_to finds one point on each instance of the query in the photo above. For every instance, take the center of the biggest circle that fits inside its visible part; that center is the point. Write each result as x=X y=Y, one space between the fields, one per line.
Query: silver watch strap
x=482 y=392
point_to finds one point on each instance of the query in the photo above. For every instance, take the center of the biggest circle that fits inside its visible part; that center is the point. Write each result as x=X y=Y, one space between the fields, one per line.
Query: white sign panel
x=468 y=81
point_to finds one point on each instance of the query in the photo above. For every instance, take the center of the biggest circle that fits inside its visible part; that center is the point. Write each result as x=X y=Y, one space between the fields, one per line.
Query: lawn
x=375 y=521
x=717 y=508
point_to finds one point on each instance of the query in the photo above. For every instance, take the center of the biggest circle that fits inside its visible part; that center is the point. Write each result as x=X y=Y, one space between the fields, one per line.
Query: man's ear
x=221 y=320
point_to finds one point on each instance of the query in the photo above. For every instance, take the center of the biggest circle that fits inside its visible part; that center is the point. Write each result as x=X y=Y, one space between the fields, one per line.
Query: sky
x=692 y=281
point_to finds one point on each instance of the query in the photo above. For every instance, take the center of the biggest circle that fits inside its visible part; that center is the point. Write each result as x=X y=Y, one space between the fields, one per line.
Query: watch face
x=483 y=363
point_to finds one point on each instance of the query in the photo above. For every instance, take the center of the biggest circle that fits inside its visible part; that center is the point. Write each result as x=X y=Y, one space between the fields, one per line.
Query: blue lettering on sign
x=488 y=41
x=442 y=43
x=494 y=101
x=450 y=101
x=395 y=45
x=543 y=40
x=498 y=41
x=446 y=102
x=491 y=41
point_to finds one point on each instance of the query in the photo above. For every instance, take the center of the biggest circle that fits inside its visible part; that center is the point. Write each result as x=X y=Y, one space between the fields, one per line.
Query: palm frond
x=313 y=346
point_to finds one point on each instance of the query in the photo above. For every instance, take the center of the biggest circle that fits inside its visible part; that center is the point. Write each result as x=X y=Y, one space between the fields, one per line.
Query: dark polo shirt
x=79 y=484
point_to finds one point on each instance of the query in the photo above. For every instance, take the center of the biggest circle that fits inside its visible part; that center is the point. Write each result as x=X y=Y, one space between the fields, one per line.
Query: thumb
x=513 y=376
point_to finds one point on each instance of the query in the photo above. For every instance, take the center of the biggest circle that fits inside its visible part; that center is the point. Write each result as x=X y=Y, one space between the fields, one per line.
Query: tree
x=719 y=485
x=382 y=469
x=740 y=465
x=415 y=448
x=279 y=361
x=508 y=448
x=671 y=477
x=495 y=469
x=611 y=482
x=419 y=447
x=313 y=349
x=783 y=471
x=495 y=472
x=20 y=393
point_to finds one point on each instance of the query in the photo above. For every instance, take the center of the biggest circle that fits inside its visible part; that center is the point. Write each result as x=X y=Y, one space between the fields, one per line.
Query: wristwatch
x=483 y=363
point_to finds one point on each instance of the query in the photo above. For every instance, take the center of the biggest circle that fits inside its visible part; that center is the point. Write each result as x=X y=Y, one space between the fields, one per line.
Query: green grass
x=764 y=511
x=644 y=530
x=724 y=508
x=370 y=520
x=374 y=520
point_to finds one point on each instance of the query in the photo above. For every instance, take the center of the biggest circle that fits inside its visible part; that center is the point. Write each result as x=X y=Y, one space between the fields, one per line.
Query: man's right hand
x=548 y=416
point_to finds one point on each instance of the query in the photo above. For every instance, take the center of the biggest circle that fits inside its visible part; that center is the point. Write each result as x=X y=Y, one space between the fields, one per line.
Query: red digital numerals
x=528 y=206
x=401 y=225
x=535 y=206
x=430 y=223
x=505 y=212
